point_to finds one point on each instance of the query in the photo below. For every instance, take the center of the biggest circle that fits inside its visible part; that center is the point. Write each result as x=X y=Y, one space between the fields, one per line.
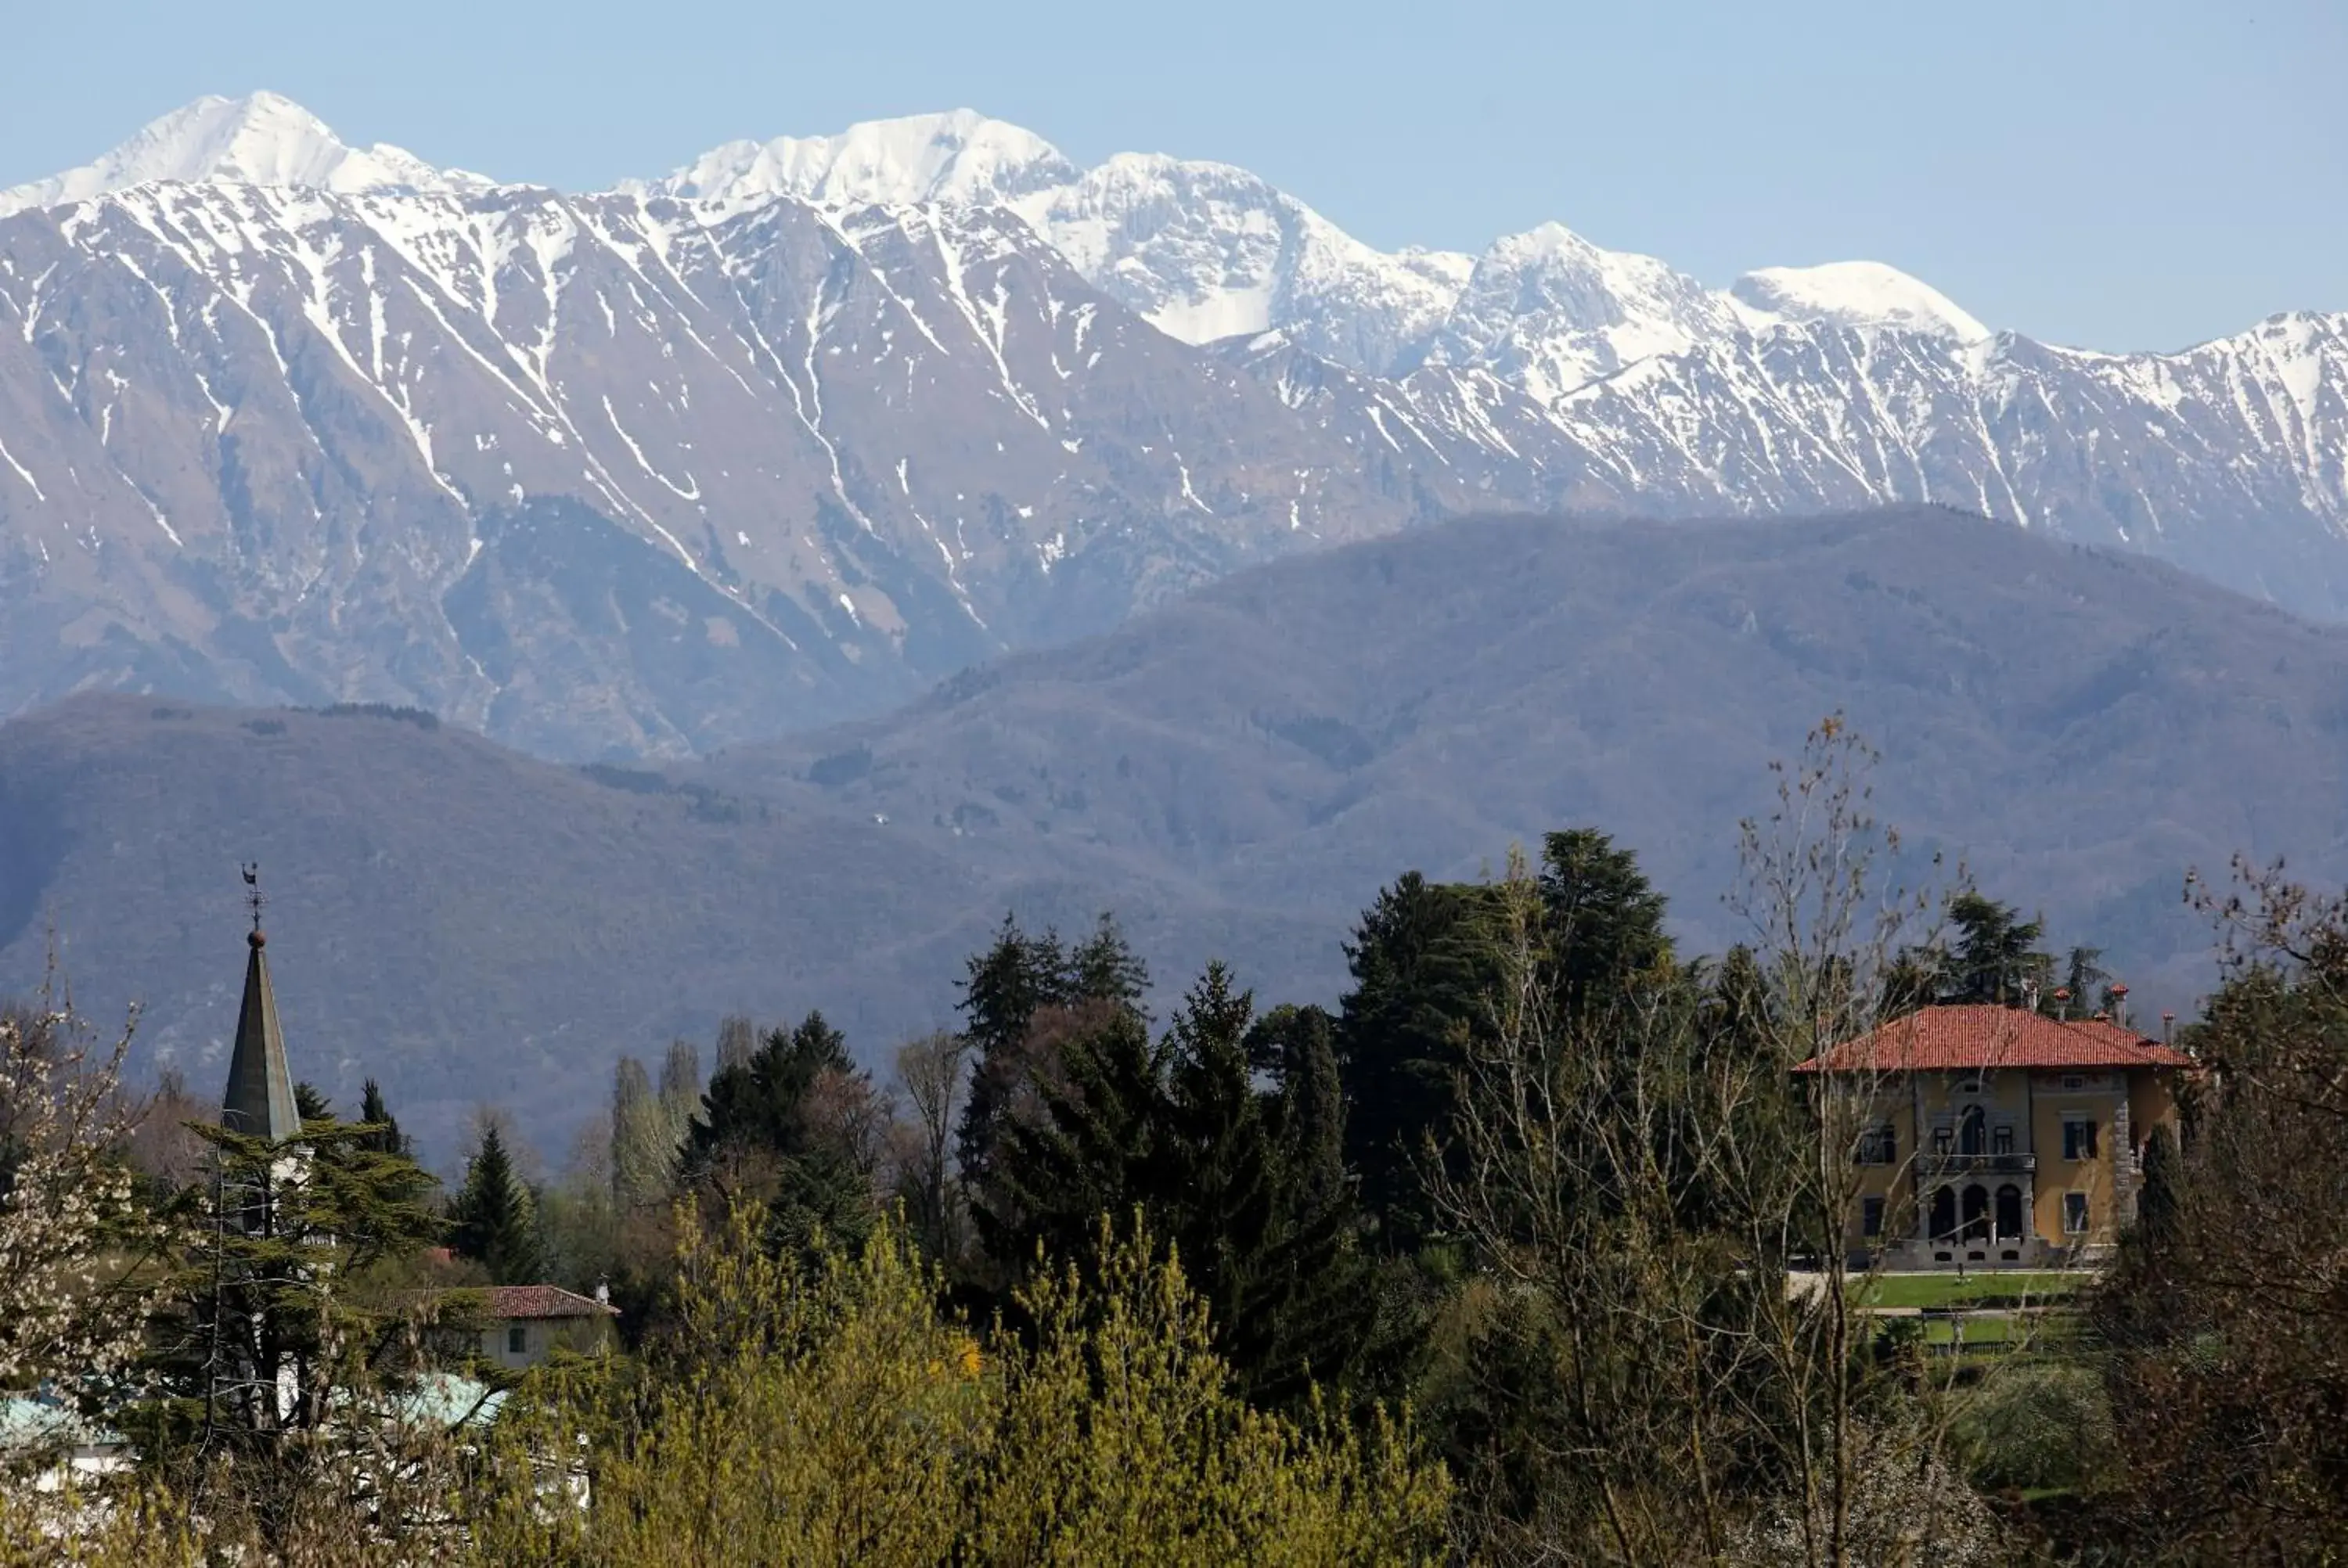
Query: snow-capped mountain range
x=786 y=433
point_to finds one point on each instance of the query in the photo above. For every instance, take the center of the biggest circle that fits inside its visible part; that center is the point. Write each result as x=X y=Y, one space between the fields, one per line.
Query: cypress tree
x=2158 y=1200
x=383 y=1135
x=493 y=1220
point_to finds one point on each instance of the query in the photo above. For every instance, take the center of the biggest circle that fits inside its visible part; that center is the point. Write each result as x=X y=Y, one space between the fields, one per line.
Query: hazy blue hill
x=1236 y=774
x=2080 y=726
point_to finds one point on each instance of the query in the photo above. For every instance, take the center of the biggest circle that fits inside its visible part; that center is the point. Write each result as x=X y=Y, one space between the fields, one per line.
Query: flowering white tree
x=74 y=1301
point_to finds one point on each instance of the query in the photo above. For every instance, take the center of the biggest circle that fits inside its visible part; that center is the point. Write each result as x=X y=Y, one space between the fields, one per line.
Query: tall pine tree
x=493 y=1220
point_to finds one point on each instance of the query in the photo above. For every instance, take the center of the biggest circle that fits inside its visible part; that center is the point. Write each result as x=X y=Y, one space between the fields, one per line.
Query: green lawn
x=1950 y=1290
x=1996 y=1331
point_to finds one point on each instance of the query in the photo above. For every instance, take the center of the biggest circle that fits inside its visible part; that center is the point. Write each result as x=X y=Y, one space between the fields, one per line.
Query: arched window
x=1944 y=1213
x=1971 y=1139
x=2009 y=1213
x=1976 y=1212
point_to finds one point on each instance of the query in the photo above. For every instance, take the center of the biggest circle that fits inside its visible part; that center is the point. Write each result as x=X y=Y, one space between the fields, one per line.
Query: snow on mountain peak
x=263 y=138
x=1202 y=249
x=959 y=156
x=1552 y=312
x=1854 y=294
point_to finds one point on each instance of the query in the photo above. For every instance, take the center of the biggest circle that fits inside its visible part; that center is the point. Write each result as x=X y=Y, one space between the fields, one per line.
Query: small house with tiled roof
x=522 y=1325
x=1998 y=1137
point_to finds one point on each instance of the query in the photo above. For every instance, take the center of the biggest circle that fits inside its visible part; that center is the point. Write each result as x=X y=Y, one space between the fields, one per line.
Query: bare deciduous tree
x=1658 y=1198
x=932 y=1071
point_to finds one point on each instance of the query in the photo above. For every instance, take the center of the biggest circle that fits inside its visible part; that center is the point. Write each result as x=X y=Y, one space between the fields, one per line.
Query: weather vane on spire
x=253 y=897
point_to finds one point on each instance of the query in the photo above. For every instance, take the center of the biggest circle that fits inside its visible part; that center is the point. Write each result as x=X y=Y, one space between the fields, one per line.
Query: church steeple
x=260 y=1099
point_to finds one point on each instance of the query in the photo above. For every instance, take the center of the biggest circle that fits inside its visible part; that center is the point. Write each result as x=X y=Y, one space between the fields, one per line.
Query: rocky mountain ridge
x=788 y=435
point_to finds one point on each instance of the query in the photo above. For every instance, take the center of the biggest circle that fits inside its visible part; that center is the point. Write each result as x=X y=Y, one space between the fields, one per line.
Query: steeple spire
x=260 y=1099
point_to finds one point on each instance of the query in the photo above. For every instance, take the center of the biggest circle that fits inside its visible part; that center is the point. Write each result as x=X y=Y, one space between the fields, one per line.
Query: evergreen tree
x=258 y=1301
x=1246 y=1185
x=2089 y=983
x=1602 y=922
x=493 y=1220
x=1912 y=979
x=1003 y=990
x=383 y=1134
x=761 y=1104
x=2157 y=1201
x=1995 y=958
x=1421 y=960
x=1213 y=1191
x=311 y=1105
x=784 y=1123
x=1314 y=1296
x=1104 y=968
x=1297 y=1048
x=1094 y=1147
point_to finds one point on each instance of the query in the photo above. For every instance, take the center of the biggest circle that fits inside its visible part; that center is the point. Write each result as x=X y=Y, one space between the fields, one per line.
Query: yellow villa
x=1996 y=1137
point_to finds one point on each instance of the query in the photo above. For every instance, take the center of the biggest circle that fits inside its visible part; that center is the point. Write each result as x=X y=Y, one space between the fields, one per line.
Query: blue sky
x=2123 y=175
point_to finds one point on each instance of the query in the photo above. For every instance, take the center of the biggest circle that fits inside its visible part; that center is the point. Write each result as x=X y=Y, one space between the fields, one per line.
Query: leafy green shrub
x=2037 y=1427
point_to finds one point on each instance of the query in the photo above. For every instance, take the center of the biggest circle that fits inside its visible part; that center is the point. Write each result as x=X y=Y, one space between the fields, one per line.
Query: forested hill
x=1235 y=774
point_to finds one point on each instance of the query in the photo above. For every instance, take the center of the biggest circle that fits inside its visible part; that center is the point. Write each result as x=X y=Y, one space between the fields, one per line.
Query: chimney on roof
x=2062 y=1004
x=2169 y=1029
x=2119 y=1003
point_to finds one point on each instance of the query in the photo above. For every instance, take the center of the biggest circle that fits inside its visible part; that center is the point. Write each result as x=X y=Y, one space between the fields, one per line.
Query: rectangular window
x=2074 y=1213
x=2075 y=1081
x=1871 y=1217
x=2001 y=1138
x=1878 y=1145
x=2078 y=1138
x=1940 y=1136
x=517 y=1339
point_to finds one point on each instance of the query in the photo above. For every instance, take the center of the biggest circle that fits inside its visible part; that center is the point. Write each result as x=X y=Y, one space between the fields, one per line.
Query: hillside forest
x=1528 y=1250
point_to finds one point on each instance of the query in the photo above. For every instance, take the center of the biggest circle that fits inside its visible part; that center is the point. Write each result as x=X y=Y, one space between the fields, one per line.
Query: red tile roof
x=542 y=1301
x=1961 y=1039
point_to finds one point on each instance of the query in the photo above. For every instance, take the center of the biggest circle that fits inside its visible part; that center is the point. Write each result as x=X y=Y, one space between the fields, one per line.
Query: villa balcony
x=1975 y=1164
